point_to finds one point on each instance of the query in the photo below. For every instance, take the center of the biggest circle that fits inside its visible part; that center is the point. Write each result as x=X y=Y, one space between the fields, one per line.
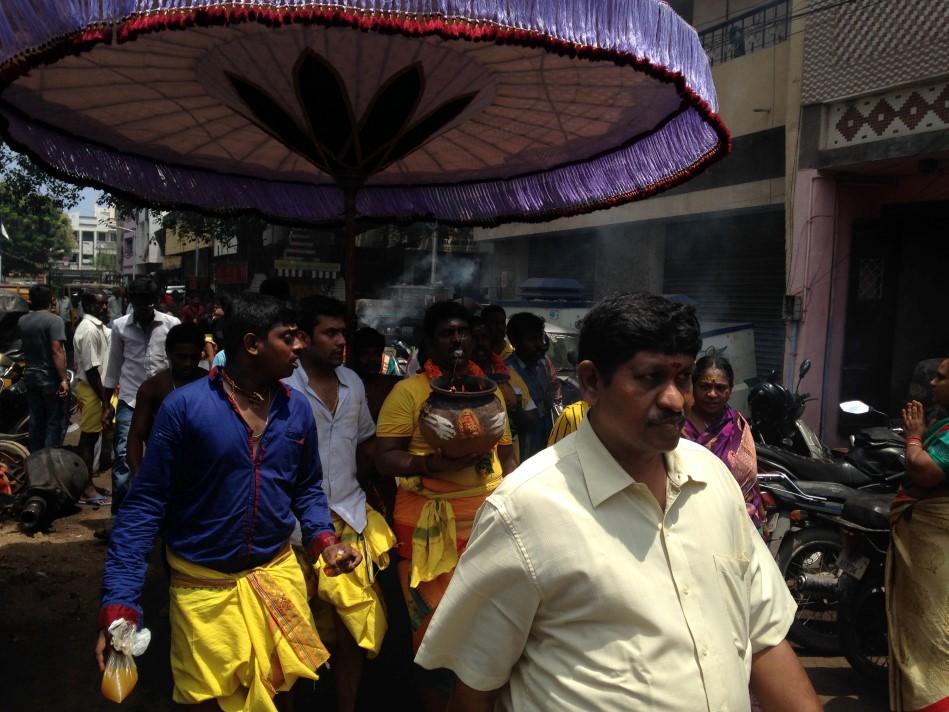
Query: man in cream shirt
x=618 y=569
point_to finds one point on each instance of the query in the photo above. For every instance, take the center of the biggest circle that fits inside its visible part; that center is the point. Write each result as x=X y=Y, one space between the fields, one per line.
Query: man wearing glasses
x=137 y=352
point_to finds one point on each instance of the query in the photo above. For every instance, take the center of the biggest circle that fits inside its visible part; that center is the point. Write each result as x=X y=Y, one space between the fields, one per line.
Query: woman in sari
x=917 y=576
x=713 y=423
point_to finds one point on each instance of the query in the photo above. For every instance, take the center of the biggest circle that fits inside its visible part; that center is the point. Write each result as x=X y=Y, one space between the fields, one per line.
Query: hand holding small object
x=340 y=559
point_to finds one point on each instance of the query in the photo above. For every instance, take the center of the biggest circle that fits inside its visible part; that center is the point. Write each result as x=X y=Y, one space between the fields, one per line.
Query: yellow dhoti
x=241 y=638
x=355 y=596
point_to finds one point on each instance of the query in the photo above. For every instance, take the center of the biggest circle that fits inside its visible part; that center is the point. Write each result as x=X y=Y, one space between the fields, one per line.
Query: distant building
x=95 y=242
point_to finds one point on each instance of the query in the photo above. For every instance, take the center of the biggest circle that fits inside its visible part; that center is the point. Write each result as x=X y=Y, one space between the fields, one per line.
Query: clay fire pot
x=468 y=420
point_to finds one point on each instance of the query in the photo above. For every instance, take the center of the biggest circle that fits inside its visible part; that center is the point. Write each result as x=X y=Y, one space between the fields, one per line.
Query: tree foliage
x=32 y=209
x=193 y=227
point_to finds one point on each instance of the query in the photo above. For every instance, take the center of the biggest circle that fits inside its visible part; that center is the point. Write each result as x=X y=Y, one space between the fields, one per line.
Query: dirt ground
x=49 y=586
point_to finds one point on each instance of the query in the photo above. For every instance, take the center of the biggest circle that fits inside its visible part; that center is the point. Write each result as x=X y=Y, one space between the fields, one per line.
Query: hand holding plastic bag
x=121 y=674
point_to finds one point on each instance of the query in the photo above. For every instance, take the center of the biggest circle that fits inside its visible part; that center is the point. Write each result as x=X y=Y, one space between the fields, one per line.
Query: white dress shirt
x=577 y=592
x=338 y=433
x=135 y=354
x=91 y=347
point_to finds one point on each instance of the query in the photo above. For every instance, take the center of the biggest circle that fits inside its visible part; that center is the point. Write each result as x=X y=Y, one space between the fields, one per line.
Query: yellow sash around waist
x=434 y=541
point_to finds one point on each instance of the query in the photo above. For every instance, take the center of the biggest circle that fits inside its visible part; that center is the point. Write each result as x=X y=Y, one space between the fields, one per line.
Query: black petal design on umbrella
x=333 y=140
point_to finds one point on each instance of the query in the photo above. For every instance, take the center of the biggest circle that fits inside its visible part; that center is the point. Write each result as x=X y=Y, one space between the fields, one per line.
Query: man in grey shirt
x=43 y=334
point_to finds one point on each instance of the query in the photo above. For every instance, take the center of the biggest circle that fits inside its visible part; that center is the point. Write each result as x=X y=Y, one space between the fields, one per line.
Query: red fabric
x=432 y=370
x=498 y=365
x=321 y=543
x=111 y=613
x=941 y=706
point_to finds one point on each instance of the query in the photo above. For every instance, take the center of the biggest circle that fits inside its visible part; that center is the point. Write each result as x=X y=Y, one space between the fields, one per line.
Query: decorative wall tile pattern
x=866 y=46
x=901 y=112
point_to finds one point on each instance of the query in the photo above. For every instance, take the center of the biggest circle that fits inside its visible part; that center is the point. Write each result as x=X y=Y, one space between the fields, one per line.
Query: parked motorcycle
x=857 y=581
x=861 y=618
x=14 y=410
x=857 y=469
x=776 y=416
x=804 y=543
x=876 y=452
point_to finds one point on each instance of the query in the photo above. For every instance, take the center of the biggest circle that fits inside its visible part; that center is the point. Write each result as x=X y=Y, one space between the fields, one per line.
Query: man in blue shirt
x=525 y=331
x=231 y=460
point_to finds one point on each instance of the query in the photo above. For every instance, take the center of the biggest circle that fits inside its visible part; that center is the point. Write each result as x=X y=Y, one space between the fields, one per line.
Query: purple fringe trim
x=611 y=180
x=646 y=29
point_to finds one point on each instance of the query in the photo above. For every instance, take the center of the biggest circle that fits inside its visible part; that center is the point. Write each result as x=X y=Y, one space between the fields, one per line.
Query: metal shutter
x=734 y=268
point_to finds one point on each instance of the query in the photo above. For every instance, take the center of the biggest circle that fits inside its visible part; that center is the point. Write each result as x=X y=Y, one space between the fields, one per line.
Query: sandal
x=95 y=501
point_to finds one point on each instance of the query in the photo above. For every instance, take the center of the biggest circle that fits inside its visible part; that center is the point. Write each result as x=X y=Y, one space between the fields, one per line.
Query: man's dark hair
x=253 y=313
x=144 y=285
x=315 y=307
x=224 y=300
x=184 y=334
x=276 y=287
x=444 y=311
x=41 y=297
x=522 y=324
x=367 y=337
x=487 y=311
x=711 y=361
x=617 y=328
x=89 y=299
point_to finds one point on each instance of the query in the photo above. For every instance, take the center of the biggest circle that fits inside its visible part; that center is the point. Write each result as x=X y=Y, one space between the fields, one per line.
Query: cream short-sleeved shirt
x=576 y=592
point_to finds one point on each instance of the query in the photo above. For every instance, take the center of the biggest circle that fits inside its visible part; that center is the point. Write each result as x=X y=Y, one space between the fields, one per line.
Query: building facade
x=718 y=239
x=95 y=242
x=869 y=203
x=825 y=226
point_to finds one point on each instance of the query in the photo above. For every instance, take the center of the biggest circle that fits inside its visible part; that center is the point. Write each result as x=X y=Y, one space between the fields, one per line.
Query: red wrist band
x=322 y=542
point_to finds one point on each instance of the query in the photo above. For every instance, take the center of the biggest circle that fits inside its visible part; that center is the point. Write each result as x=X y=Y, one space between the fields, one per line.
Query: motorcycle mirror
x=855 y=407
x=805 y=367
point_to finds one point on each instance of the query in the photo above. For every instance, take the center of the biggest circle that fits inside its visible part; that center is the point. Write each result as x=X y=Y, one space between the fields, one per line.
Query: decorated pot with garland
x=462 y=416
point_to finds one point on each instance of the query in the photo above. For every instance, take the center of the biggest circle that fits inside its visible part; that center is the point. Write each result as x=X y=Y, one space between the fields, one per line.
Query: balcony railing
x=764 y=26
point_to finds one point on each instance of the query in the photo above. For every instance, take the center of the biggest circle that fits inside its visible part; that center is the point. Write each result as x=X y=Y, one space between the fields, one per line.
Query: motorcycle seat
x=878 y=437
x=810 y=469
x=871 y=511
x=828 y=490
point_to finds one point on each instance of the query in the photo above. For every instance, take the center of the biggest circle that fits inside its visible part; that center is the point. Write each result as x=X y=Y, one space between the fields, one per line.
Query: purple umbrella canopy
x=466 y=111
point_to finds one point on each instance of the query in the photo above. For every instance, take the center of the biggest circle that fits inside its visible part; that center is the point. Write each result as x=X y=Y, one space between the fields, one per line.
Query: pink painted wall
x=824 y=213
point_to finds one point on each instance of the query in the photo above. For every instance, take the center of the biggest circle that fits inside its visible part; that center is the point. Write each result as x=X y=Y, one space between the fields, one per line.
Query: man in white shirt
x=345 y=433
x=136 y=352
x=618 y=570
x=91 y=357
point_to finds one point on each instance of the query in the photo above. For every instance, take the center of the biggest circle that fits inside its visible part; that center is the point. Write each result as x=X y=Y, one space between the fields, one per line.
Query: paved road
x=841 y=689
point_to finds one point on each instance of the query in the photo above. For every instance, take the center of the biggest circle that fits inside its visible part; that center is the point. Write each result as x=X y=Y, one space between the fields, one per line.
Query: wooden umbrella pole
x=349 y=211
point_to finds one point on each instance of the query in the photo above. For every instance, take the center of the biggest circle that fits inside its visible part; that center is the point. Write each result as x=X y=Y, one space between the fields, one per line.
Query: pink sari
x=730 y=439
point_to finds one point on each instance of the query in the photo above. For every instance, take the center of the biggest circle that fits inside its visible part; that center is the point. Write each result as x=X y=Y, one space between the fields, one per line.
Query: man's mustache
x=667 y=417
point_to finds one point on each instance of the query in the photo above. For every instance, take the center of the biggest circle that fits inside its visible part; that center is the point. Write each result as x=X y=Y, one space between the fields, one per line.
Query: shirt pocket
x=733 y=589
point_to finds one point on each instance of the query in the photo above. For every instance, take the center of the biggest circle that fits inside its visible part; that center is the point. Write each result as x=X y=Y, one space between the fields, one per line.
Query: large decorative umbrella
x=466 y=111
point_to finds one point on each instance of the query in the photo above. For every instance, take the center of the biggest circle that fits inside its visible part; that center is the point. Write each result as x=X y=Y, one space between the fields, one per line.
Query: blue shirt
x=213 y=504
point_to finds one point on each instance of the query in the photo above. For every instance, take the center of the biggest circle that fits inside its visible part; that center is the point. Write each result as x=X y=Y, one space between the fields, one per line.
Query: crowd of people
x=571 y=566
